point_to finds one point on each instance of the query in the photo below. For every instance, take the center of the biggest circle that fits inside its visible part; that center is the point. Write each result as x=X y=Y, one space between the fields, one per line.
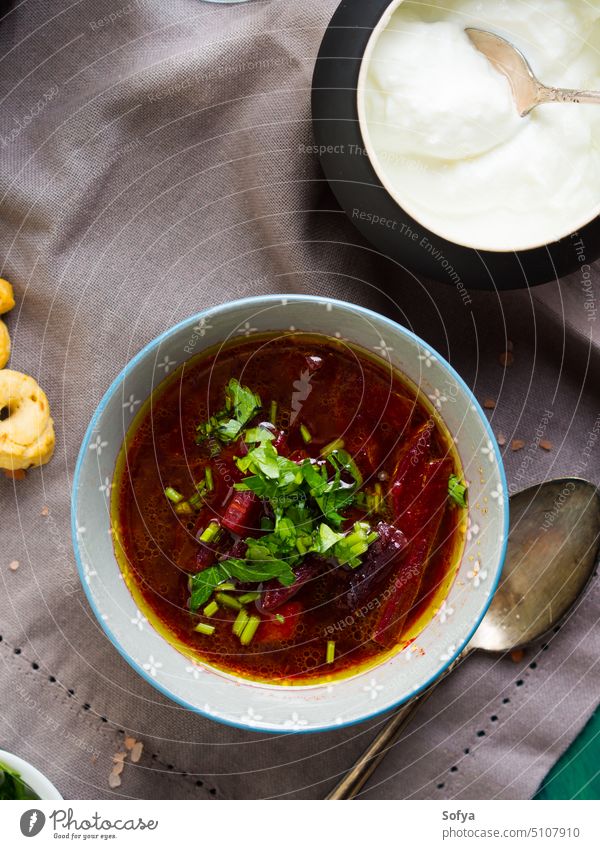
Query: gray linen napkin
x=152 y=164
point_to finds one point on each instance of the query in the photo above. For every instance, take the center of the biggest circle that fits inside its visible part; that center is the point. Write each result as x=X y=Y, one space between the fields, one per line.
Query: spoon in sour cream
x=527 y=90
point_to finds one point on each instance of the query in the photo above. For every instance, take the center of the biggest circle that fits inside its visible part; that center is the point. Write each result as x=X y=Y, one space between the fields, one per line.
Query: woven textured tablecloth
x=152 y=163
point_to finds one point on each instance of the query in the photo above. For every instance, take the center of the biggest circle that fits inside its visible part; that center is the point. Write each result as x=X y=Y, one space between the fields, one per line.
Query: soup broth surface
x=315 y=393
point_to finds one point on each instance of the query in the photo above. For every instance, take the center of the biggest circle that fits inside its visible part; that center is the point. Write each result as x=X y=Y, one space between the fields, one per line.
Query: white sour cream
x=445 y=137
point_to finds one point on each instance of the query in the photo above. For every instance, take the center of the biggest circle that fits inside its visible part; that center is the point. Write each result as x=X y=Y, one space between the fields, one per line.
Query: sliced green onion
x=249 y=630
x=332 y=446
x=203 y=628
x=273 y=415
x=210 y=532
x=183 y=508
x=211 y=609
x=240 y=622
x=306 y=434
x=330 y=654
x=347 y=460
x=208 y=476
x=195 y=500
x=228 y=601
x=226 y=587
x=248 y=597
x=361 y=499
x=279 y=618
x=173 y=495
x=457 y=491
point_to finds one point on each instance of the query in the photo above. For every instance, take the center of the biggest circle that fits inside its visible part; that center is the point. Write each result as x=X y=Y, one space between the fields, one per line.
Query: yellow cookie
x=27 y=431
x=4 y=344
x=7 y=298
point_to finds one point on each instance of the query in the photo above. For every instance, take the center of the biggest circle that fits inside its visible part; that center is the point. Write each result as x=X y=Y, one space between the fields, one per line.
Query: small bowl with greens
x=20 y=781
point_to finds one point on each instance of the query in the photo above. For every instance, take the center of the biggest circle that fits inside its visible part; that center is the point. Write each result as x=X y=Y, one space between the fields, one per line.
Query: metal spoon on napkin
x=527 y=90
x=552 y=552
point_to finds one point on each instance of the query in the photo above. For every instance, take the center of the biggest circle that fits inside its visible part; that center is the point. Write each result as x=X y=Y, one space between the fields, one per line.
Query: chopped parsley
x=241 y=405
x=457 y=491
x=203 y=584
x=304 y=502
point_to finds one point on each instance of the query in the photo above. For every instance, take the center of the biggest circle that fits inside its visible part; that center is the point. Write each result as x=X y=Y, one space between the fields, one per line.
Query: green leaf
x=328 y=538
x=258 y=434
x=204 y=584
x=457 y=491
x=228 y=430
x=244 y=402
x=350 y=549
x=260 y=570
x=241 y=405
x=262 y=460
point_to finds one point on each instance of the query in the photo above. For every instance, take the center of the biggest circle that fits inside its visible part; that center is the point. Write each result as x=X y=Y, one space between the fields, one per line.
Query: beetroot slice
x=410 y=470
x=274 y=595
x=425 y=520
x=381 y=557
x=241 y=513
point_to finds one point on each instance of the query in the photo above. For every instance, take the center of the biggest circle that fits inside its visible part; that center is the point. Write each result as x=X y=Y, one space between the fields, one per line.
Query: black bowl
x=348 y=169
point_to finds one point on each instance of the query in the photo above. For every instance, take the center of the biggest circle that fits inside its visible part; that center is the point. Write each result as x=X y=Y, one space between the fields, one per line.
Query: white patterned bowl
x=317 y=707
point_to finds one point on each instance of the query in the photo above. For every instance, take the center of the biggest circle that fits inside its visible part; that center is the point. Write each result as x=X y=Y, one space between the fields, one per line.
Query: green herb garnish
x=203 y=584
x=305 y=502
x=240 y=622
x=210 y=532
x=241 y=405
x=173 y=496
x=306 y=434
x=249 y=631
x=228 y=601
x=457 y=491
x=210 y=609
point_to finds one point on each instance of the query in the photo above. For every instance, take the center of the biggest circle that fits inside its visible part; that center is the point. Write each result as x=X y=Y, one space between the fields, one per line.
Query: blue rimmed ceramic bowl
x=319 y=706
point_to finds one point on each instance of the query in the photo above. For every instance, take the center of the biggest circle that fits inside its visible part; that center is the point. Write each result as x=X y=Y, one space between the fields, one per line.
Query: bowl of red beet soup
x=279 y=503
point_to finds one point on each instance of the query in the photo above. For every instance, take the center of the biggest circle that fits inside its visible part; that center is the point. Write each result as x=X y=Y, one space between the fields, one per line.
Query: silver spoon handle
x=367 y=763
x=549 y=94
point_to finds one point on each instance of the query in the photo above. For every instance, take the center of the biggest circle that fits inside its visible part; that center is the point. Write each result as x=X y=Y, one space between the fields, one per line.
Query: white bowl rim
x=32 y=776
x=256 y=301
x=376 y=164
